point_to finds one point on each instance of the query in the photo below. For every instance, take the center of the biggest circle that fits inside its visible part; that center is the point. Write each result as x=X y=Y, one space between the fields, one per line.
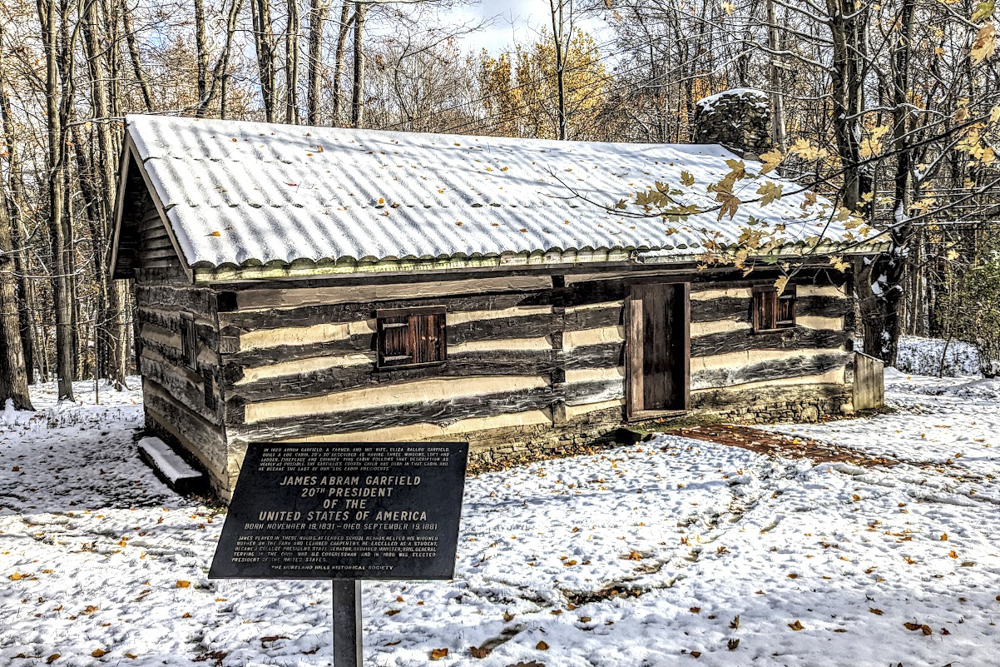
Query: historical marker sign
x=344 y=511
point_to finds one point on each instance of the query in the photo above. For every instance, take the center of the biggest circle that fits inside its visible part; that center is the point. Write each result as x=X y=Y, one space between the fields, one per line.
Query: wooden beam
x=441 y=413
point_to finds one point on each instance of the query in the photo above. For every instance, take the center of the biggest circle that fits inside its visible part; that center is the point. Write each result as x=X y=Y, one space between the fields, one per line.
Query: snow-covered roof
x=244 y=194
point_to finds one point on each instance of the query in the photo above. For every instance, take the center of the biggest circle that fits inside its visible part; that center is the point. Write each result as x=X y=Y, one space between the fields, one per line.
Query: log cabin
x=297 y=284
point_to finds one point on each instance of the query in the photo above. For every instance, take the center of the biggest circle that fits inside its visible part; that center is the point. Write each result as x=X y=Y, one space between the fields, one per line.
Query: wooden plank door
x=658 y=349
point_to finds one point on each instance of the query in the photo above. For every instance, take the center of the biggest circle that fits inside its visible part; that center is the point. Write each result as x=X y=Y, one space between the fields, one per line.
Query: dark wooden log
x=352 y=312
x=527 y=326
x=777 y=369
x=331 y=380
x=595 y=318
x=440 y=413
x=582 y=393
x=604 y=355
x=798 y=338
x=722 y=308
x=184 y=384
x=825 y=306
x=281 y=353
x=171 y=321
x=194 y=299
x=170 y=275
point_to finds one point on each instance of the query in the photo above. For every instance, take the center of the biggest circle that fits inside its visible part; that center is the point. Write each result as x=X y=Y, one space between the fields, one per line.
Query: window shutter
x=786 y=308
x=411 y=337
x=764 y=307
x=394 y=341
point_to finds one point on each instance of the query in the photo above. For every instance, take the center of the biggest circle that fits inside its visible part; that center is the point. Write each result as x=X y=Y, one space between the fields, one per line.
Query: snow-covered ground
x=661 y=553
x=923 y=355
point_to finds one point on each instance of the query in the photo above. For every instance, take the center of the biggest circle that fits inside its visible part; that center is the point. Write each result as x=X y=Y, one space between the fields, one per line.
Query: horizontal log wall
x=301 y=363
x=184 y=404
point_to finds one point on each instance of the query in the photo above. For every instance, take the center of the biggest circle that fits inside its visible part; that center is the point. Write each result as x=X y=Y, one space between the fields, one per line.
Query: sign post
x=346 y=512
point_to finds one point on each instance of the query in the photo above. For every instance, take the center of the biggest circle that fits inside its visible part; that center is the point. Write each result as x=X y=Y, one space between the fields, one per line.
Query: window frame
x=787 y=298
x=440 y=314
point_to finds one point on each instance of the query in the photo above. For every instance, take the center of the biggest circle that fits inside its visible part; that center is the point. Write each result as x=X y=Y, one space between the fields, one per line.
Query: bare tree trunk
x=292 y=63
x=133 y=52
x=847 y=29
x=777 y=96
x=13 y=375
x=61 y=232
x=338 y=61
x=220 y=72
x=25 y=301
x=98 y=183
x=201 y=57
x=318 y=9
x=358 y=94
x=883 y=322
x=264 y=43
x=561 y=41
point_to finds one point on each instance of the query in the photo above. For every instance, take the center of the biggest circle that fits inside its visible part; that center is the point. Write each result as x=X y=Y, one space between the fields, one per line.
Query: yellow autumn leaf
x=985 y=44
x=995 y=114
x=771 y=160
x=98 y=653
x=438 y=653
x=183 y=584
x=769 y=192
x=797 y=625
x=780 y=283
x=838 y=263
x=542 y=646
x=687 y=179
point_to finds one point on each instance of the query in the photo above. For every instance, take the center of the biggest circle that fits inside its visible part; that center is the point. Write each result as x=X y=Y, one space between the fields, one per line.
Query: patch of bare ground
x=784 y=446
x=797 y=447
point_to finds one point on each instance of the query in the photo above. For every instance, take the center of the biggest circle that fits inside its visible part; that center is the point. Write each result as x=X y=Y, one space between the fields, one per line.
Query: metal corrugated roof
x=246 y=194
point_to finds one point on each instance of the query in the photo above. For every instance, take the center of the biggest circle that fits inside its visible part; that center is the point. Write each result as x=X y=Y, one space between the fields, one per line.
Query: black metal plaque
x=344 y=511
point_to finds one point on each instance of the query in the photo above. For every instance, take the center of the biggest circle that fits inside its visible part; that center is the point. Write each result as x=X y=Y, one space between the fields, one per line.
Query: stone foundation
x=797 y=403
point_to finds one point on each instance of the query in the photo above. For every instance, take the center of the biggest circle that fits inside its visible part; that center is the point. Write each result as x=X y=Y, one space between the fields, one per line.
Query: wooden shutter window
x=411 y=337
x=786 y=308
x=771 y=311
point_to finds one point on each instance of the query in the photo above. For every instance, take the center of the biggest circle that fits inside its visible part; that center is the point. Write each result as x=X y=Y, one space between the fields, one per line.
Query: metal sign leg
x=347 y=623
